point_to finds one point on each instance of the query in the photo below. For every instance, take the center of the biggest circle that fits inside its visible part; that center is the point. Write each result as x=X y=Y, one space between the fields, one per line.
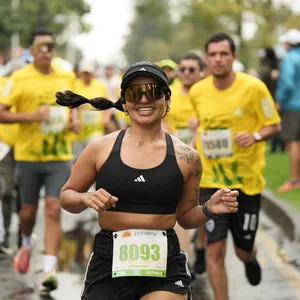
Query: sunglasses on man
x=44 y=47
x=188 y=69
x=134 y=93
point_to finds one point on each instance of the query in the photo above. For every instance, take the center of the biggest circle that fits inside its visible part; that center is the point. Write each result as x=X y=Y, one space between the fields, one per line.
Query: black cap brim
x=146 y=70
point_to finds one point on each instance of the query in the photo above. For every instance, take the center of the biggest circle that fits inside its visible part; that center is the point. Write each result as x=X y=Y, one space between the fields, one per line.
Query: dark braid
x=72 y=100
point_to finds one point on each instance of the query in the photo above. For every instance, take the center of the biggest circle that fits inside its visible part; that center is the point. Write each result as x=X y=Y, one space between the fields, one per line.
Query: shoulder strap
x=118 y=141
x=170 y=145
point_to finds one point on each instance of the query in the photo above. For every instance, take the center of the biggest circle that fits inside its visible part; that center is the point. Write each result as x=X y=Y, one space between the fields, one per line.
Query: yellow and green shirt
x=27 y=90
x=245 y=106
x=181 y=112
x=8 y=132
x=92 y=122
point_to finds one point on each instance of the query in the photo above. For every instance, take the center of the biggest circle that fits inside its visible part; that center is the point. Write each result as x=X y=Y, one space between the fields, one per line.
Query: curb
x=283 y=214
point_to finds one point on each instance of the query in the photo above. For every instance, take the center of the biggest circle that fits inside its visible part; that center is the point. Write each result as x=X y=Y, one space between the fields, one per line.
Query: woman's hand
x=223 y=201
x=100 y=200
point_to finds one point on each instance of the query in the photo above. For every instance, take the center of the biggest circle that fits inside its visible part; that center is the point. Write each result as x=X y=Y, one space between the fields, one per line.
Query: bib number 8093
x=144 y=252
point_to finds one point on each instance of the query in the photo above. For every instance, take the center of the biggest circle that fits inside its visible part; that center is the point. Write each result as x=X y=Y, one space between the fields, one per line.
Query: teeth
x=145 y=109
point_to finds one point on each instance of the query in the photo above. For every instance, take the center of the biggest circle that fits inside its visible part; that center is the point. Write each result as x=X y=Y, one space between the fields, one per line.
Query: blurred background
x=121 y=32
x=108 y=35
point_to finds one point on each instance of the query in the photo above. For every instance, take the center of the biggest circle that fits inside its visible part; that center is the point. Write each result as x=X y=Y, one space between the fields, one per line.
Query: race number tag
x=185 y=135
x=57 y=121
x=217 y=143
x=140 y=252
x=4 y=149
x=90 y=117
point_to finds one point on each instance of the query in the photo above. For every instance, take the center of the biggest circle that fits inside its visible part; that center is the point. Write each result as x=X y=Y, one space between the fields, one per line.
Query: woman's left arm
x=189 y=213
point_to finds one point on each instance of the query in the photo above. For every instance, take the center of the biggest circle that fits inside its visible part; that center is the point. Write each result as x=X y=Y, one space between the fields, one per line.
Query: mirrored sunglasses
x=48 y=47
x=134 y=93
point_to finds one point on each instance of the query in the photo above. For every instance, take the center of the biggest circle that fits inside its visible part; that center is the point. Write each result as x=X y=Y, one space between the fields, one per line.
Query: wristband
x=207 y=212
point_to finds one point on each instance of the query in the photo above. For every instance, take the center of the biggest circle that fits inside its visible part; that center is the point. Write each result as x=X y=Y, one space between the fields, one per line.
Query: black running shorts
x=243 y=224
x=99 y=284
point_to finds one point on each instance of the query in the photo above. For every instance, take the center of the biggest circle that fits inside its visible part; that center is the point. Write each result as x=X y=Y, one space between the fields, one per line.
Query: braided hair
x=72 y=100
x=141 y=68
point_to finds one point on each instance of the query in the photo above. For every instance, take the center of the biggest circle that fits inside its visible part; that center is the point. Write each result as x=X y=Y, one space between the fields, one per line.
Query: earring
x=126 y=113
x=167 y=110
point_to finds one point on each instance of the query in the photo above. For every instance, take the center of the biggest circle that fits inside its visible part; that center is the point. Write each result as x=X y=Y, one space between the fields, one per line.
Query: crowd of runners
x=126 y=163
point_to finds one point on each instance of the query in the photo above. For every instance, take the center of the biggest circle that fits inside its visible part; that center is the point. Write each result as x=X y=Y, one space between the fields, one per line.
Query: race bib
x=140 y=252
x=90 y=117
x=4 y=149
x=185 y=135
x=217 y=143
x=57 y=121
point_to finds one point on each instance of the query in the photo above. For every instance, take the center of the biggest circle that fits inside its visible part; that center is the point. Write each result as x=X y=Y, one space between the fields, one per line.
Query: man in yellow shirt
x=182 y=122
x=8 y=137
x=43 y=149
x=93 y=123
x=236 y=114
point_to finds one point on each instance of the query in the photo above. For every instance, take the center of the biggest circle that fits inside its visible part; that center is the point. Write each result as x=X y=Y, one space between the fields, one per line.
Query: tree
x=54 y=15
x=150 y=32
x=202 y=18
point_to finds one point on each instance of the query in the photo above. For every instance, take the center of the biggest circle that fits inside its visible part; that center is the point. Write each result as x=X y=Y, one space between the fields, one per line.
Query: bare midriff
x=116 y=221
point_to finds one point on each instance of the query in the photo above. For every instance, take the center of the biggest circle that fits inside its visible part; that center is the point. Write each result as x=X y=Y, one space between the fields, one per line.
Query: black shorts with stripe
x=243 y=224
x=99 y=284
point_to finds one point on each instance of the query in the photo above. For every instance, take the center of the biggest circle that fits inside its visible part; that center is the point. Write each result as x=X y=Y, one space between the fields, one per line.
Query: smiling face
x=145 y=111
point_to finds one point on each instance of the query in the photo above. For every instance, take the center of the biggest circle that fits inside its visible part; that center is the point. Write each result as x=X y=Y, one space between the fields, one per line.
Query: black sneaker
x=253 y=271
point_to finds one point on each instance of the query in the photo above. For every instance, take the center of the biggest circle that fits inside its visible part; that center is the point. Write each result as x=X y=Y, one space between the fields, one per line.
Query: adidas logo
x=179 y=283
x=143 y=69
x=140 y=179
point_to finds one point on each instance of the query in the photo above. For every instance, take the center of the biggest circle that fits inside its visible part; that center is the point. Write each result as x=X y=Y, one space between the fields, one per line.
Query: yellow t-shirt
x=181 y=112
x=8 y=132
x=92 y=122
x=176 y=82
x=28 y=90
x=245 y=106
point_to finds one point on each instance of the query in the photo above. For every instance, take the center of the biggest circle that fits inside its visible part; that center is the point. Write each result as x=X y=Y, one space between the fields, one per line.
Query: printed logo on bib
x=57 y=121
x=216 y=143
x=140 y=252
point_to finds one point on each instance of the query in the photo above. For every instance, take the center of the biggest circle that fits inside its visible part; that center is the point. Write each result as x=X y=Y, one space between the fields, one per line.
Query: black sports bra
x=148 y=191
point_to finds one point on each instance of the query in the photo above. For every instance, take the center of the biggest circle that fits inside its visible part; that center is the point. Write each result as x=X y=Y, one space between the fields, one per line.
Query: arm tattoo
x=185 y=154
x=198 y=171
x=190 y=158
x=193 y=202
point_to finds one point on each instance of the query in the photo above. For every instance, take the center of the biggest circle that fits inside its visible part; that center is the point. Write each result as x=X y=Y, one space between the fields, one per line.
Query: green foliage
x=151 y=31
x=54 y=15
x=276 y=173
x=154 y=34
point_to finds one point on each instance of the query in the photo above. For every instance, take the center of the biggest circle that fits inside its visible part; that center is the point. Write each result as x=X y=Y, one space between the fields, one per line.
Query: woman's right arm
x=74 y=193
x=74 y=196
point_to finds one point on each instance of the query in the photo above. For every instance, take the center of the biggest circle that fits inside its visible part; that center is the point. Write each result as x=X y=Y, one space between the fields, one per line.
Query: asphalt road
x=281 y=280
